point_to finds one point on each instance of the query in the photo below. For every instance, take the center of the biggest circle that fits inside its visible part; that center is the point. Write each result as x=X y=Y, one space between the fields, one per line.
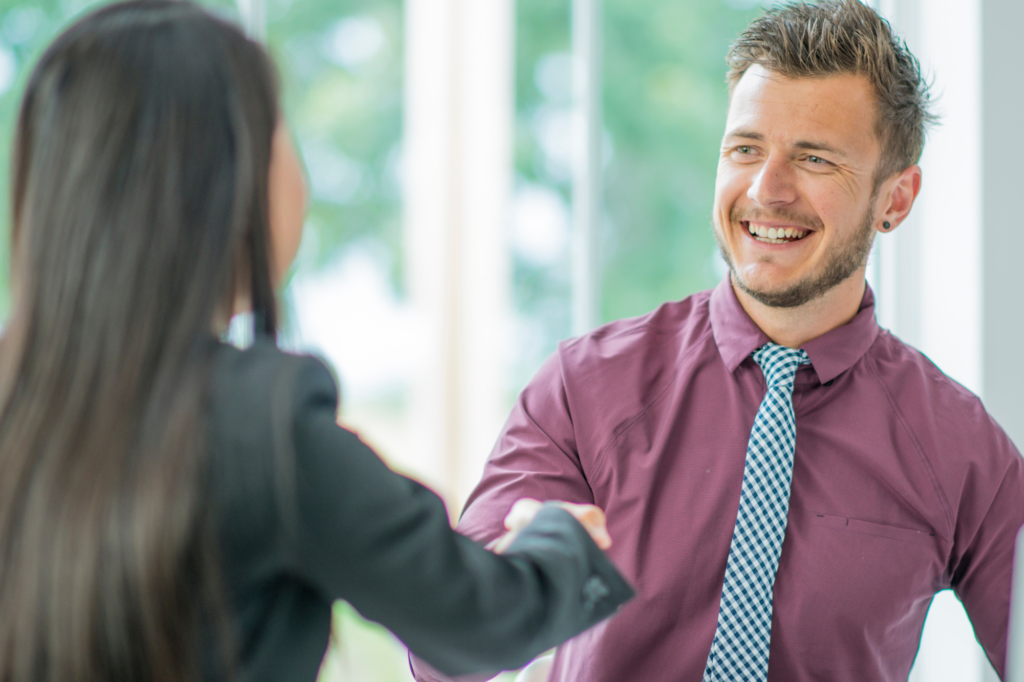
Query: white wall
x=943 y=278
x=929 y=269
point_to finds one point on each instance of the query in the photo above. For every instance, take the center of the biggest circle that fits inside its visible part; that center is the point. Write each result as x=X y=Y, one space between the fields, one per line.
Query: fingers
x=592 y=518
x=501 y=544
x=522 y=513
x=518 y=518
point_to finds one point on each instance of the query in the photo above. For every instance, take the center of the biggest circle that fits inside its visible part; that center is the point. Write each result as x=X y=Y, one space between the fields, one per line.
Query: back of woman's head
x=139 y=209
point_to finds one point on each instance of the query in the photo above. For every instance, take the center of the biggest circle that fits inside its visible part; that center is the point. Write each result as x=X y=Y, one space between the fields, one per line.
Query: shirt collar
x=831 y=354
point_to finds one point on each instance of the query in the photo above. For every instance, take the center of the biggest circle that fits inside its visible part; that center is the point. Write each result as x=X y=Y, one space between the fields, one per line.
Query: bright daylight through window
x=344 y=71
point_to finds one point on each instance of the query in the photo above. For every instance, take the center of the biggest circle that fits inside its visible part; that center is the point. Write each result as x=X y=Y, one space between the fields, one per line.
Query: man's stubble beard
x=845 y=260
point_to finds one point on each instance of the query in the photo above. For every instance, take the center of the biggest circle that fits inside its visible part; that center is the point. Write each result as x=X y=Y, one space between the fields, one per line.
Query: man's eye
x=745 y=150
x=817 y=160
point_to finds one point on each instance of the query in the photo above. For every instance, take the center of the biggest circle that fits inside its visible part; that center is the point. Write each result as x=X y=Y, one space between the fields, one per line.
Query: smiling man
x=786 y=484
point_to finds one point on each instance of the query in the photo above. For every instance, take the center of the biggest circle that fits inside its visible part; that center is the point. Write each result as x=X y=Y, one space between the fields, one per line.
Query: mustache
x=795 y=218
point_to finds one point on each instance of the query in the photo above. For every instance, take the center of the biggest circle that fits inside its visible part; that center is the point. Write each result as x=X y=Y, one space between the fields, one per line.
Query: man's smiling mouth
x=775 y=235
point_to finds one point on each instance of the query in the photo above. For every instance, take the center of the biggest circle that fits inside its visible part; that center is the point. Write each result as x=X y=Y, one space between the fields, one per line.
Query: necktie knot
x=779 y=363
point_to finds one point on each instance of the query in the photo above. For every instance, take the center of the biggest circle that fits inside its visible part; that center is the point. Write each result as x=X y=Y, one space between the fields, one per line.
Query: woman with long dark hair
x=172 y=508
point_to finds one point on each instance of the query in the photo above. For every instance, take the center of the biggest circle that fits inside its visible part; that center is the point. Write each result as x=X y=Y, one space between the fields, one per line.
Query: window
x=357 y=106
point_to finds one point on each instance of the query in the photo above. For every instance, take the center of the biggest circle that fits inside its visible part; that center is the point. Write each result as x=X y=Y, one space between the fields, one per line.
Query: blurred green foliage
x=344 y=106
x=362 y=651
x=341 y=66
x=664 y=105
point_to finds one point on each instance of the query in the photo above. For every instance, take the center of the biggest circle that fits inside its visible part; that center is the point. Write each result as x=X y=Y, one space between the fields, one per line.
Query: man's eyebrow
x=809 y=145
x=817 y=146
x=745 y=134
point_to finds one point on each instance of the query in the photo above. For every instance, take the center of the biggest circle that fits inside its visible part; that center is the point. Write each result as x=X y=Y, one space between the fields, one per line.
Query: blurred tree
x=664 y=110
x=341 y=73
x=341 y=66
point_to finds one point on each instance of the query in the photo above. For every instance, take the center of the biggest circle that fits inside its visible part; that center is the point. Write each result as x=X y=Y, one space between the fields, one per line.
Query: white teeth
x=772 y=235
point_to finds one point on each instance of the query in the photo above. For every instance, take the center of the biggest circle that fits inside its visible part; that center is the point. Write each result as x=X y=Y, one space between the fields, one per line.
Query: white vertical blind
x=1002 y=177
x=457 y=167
x=488 y=100
x=1015 y=649
x=587 y=165
x=930 y=267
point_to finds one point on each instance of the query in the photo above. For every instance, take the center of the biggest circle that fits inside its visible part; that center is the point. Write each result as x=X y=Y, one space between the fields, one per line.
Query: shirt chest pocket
x=841 y=572
x=856 y=556
x=841 y=524
x=846 y=587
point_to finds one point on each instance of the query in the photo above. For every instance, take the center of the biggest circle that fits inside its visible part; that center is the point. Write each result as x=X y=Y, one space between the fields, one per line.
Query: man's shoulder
x=908 y=373
x=660 y=336
x=947 y=419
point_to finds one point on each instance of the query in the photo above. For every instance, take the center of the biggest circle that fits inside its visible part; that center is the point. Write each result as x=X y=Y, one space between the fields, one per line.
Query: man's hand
x=522 y=513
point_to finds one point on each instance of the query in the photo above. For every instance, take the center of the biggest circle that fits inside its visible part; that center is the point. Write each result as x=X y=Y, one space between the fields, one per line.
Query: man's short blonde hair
x=835 y=37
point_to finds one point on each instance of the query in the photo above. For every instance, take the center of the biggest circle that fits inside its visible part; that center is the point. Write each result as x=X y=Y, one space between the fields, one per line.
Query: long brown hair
x=139 y=204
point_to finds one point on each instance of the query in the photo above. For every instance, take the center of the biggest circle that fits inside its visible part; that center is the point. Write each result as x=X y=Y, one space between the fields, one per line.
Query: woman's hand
x=519 y=517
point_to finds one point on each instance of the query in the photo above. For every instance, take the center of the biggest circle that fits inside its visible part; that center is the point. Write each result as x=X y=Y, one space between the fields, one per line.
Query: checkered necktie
x=740 y=648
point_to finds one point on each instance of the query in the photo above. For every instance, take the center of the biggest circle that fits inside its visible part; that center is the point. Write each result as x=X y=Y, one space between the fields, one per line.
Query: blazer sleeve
x=536 y=455
x=383 y=543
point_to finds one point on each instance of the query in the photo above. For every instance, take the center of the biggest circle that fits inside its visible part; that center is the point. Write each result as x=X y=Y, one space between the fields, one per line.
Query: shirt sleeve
x=383 y=543
x=982 y=572
x=536 y=456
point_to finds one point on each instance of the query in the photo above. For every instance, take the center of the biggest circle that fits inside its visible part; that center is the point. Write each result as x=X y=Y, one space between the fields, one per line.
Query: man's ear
x=897 y=198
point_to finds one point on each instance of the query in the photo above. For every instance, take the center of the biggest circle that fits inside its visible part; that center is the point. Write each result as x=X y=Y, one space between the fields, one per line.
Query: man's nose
x=774 y=184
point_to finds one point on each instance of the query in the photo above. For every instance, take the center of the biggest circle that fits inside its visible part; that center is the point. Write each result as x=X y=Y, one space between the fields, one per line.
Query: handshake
x=524 y=510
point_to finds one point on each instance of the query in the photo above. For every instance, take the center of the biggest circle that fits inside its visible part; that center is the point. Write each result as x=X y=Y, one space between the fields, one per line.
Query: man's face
x=794 y=200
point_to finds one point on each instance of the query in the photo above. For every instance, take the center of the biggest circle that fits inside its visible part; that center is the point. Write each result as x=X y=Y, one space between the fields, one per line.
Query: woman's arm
x=383 y=543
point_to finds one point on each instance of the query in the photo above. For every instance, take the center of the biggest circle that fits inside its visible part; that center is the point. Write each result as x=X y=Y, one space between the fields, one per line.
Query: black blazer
x=307 y=514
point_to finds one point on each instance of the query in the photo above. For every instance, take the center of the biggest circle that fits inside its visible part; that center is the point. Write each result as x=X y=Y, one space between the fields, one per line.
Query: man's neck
x=793 y=327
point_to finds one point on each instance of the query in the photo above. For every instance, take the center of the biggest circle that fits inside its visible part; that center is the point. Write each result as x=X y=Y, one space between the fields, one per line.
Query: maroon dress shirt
x=902 y=486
